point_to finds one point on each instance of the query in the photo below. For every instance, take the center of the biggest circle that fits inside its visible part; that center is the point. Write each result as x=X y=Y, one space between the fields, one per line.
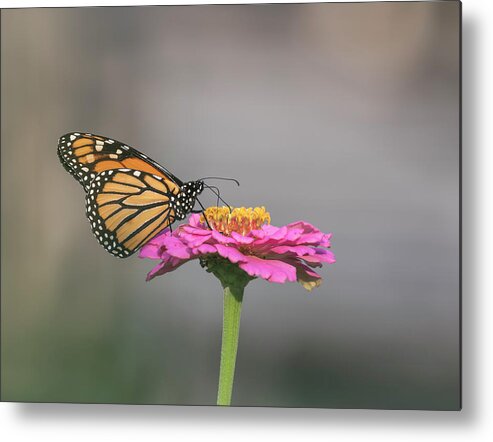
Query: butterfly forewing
x=126 y=208
x=86 y=155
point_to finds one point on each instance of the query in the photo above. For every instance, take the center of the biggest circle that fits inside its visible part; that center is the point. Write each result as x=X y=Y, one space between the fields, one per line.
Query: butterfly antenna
x=216 y=192
x=220 y=178
x=217 y=200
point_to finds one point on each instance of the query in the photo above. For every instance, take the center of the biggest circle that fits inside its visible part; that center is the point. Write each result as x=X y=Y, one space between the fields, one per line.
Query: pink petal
x=303 y=226
x=165 y=266
x=151 y=251
x=156 y=271
x=310 y=234
x=277 y=233
x=258 y=234
x=268 y=234
x=297 y=250
x=194 y=220
x=203 y=249
x=293 y=236
x=270 y=269
x=320 y=256
x=222 y=239
x=194 y=230
x=325 y=242
x=159 y=239
x=272 y=235
x=231 y=253
x=176 y=248
x=310 y=238
x=307 y=277
x=193 y=240
x=269 y=229
x=240 y=239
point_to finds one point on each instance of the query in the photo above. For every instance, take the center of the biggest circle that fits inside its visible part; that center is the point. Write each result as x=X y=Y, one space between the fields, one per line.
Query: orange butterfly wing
x=126 y=208
x=86 y=155
x=129 y=197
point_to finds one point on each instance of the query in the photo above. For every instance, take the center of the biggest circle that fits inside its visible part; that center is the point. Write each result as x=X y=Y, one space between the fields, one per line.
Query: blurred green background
x=344 y=115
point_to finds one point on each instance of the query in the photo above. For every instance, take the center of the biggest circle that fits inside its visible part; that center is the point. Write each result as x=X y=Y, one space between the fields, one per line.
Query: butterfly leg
x=203 y=213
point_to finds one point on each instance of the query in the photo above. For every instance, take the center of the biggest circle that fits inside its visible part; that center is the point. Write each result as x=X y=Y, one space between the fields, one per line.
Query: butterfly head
x=183 y=203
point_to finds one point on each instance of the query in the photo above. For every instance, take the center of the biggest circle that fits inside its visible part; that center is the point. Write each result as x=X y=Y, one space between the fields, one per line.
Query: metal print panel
x=339 y=252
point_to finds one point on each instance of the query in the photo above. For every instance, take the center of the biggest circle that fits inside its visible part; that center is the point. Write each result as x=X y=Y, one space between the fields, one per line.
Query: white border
x=83 y=423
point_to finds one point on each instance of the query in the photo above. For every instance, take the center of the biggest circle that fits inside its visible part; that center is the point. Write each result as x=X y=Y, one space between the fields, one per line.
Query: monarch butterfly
x=129 y=197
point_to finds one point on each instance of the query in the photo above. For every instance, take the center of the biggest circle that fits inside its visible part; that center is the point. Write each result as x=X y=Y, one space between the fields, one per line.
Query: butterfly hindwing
x=126 y=208
x=85 y=155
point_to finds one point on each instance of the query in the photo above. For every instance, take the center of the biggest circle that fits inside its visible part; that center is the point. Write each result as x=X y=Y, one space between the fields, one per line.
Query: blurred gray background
x=344 y=115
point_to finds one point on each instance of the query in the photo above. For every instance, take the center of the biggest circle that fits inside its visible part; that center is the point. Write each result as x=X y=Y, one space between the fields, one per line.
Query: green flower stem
x=233 y=298
x=234 y=280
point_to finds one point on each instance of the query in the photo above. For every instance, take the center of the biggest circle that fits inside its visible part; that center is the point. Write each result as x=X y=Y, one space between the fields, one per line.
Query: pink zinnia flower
x=244 y=238
x=237 y=246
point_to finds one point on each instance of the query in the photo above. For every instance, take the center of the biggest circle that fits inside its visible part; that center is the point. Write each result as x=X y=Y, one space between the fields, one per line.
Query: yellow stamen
x=241 y=219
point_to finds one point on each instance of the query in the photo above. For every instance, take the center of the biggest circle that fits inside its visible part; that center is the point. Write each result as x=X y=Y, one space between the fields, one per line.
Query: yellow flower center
x=241 y=219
